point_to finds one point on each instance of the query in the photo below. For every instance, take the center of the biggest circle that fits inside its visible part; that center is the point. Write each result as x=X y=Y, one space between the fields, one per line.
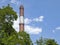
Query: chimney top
x=21 y=7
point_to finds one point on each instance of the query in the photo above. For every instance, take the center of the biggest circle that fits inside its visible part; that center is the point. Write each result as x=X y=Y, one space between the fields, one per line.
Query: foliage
x=24 y=38
x=46 y=41
x=41 y=41
x=21 y=38
x=8 y=35
x=51 y=42
x=7 y=16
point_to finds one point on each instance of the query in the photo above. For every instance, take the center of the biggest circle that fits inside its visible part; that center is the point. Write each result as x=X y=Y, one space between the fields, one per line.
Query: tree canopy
x=46 y=41
x=7 y=16
x=51 y=42
x=8 y=35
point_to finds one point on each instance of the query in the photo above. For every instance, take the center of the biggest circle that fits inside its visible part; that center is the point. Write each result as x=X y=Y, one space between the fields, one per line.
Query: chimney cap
x=22 y=7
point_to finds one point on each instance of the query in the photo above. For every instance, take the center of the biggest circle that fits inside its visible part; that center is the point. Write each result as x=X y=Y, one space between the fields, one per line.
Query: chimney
x=21 y=24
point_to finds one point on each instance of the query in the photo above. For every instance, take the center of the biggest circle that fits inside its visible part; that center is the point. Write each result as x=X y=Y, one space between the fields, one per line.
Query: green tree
x=21 y=38
x=7 y=16
x=46 y=41
x=51 y=42
x=8 y=35
x=41 y=41
x=24 y=38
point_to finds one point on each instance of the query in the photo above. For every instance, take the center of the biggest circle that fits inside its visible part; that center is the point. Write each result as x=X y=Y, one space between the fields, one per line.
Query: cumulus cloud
x=27 y=20
x=32 y=30
x=16 y=25
x=58 y=28
x=38 y=19
x=29 y=29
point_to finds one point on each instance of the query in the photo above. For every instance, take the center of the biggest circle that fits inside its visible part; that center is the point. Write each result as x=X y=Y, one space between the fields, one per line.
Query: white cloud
x=40 y=19
x=16 y=25
x=58 y=28
x=32 y=30
x=28 y=29
x=27 y=20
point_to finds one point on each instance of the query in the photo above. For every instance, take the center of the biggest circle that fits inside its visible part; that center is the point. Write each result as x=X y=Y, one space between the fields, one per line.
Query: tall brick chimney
x=21 y=24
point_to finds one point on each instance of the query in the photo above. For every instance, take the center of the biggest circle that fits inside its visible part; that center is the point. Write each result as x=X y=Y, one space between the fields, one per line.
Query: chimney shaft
x=21 y=25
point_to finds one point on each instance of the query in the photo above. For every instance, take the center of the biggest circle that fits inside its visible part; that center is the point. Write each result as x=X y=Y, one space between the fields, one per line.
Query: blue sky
x=41 y=15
